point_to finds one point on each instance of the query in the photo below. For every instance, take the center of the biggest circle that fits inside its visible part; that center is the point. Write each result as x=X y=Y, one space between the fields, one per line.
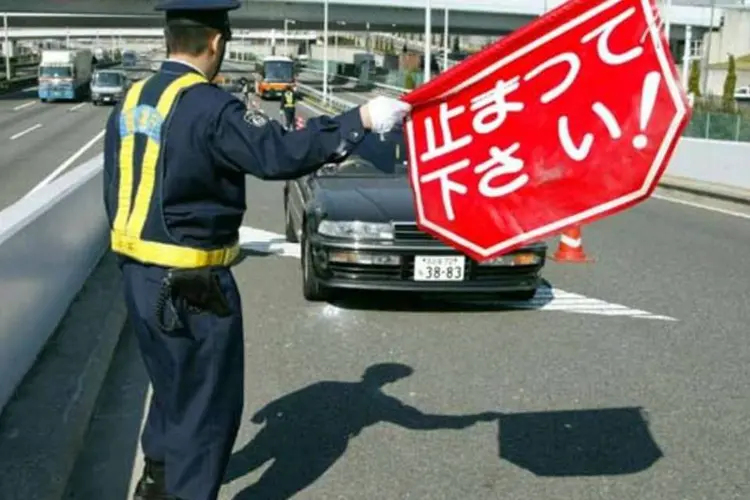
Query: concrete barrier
x=49 y=243
x=723 y=165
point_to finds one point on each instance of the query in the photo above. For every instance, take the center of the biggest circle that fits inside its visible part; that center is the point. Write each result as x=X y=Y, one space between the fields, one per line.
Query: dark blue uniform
x=176 y=152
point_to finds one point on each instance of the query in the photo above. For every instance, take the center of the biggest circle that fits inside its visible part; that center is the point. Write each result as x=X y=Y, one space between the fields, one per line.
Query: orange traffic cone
x=570 y=248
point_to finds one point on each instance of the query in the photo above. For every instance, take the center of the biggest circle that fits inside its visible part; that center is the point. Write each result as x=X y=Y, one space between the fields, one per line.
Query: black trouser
x=197 y=374
x=289 y=117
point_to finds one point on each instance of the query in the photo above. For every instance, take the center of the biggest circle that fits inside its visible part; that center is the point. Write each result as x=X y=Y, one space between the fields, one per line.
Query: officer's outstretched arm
x=261 y=147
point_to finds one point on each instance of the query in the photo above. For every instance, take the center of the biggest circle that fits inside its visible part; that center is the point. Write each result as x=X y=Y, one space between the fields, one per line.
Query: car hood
x=370 y=199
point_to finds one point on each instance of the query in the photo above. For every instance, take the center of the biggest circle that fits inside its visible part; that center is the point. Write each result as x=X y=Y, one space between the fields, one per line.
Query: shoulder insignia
x=256 y=118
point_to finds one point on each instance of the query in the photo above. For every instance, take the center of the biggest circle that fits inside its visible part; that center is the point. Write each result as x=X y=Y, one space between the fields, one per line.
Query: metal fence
x=719 y=126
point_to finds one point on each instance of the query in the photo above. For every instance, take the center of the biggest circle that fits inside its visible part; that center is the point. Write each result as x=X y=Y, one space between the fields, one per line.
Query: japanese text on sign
x=476 y=138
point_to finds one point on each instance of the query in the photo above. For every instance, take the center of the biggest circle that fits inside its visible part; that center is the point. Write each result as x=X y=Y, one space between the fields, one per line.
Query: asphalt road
x=627 y=379
x=37 y=139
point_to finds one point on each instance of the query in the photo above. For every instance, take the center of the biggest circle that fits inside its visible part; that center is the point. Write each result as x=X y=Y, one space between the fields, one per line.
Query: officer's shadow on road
x=307 y=431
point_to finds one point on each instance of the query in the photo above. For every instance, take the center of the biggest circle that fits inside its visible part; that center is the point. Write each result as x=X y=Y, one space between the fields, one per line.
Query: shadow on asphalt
x=307 y=431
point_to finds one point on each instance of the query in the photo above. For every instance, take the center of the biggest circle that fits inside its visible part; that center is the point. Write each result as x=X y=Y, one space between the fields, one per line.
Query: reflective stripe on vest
x=289 y=98
x=129 y=221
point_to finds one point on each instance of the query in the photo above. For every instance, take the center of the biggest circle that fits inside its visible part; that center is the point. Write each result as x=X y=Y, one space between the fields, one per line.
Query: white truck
x=64 y=74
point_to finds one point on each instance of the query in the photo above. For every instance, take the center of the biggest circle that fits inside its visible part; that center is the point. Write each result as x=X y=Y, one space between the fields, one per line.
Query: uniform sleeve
x=262 y=148
x=111 y=145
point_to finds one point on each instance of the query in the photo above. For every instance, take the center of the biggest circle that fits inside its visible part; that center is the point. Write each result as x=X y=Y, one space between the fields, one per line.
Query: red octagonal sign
x=568 y=120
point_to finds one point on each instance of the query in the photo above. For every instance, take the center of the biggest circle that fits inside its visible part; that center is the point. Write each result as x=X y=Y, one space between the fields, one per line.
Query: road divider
x=49 y=243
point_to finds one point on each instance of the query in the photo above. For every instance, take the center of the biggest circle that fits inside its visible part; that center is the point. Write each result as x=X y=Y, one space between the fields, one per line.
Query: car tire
x=311 y=287
x=290 y=233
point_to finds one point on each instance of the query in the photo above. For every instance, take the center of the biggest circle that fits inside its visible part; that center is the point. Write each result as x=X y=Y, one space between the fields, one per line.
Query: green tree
x=694 y=85
x=409 y=82
x=456 y=46
x=730 y=84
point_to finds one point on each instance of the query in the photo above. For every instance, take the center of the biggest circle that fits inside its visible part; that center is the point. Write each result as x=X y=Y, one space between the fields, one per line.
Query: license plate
x=429 y=268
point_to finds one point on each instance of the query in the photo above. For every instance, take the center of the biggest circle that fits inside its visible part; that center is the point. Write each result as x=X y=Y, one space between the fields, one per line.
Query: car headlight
x=356 y=230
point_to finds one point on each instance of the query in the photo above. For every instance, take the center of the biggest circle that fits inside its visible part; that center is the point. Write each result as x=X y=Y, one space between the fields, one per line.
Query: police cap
x=209 y=13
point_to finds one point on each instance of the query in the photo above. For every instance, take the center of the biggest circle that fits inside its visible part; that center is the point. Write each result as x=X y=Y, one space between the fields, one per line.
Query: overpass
x=478 y=17
x=157 y=33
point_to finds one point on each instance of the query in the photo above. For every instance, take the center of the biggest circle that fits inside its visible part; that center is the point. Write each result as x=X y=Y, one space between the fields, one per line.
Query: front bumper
x=51 y=93
x=481 y=279
x=106 y=97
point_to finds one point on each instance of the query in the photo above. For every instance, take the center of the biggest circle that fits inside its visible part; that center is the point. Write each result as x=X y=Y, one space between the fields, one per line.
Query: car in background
x=356 y=225
x=108 y=86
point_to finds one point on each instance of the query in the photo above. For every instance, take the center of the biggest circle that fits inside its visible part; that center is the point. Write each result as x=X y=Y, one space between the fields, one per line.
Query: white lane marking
x=24 y=132
x=26 y=105
x=67 y=163
x=693 y=204
x=546 y=298
x=77 y=106
x=30 y=89
x=262 y=241
x=139 y=459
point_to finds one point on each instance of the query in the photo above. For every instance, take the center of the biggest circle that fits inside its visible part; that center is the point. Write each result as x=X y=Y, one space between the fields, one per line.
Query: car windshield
x=279 y=71
x=108 y=79
x=55 y=71
x=376 y=156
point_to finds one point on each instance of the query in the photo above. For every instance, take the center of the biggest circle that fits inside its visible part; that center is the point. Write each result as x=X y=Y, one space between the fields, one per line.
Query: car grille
x=404 y=231
x=358 y=271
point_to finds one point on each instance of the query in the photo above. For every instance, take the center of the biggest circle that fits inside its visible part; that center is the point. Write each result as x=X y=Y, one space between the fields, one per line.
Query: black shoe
x=151 y=484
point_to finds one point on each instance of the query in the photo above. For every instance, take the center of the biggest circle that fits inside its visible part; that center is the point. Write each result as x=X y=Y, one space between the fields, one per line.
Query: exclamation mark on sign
x=648 y=99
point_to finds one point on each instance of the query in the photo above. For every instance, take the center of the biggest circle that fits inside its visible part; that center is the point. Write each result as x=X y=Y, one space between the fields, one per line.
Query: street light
x=6 y=48
x=325 y=50
x=708 y=48
x=287 y=22
x=427 y=40
x=445 y=40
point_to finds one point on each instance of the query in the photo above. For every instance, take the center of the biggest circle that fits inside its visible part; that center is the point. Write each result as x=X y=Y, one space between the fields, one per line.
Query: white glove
x=385 y=113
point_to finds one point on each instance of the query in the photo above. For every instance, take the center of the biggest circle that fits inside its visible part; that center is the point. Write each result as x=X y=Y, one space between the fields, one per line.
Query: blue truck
x=65 y=74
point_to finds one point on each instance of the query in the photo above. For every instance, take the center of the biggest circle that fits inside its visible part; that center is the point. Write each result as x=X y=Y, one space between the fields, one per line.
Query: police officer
x=288 y=106
x=176 y=151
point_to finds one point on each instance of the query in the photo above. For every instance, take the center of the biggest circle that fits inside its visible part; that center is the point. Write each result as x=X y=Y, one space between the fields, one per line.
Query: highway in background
x=40 y=139
x=657 y=323
x=341 y=87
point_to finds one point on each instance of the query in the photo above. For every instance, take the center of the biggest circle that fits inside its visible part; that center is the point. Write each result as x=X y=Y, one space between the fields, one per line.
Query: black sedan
x=355 y=222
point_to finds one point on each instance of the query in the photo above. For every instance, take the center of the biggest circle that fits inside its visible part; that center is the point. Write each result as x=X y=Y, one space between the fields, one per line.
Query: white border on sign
x=672 y=86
